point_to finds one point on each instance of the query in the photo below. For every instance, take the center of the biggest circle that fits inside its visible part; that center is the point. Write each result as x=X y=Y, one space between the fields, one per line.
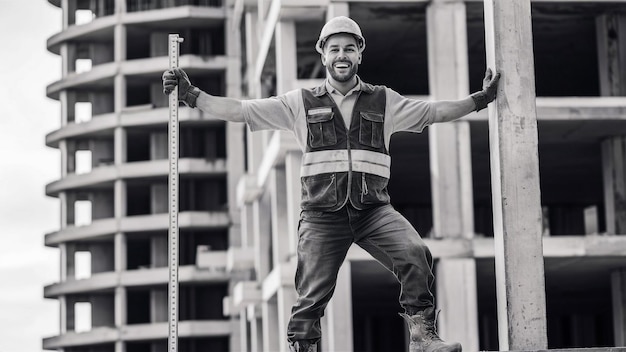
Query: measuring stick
x=174 y=41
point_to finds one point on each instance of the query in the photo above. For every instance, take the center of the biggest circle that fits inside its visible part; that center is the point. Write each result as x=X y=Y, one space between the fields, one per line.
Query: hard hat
x=341 y=24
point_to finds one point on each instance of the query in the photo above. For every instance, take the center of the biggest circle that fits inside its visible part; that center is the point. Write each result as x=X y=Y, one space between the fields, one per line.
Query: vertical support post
x=339 y=312
x=451 y=171
x=515 y=178
x=293 y=160
x=450 y=147
x=618 y=292
x=614 y=175
x=173 y=45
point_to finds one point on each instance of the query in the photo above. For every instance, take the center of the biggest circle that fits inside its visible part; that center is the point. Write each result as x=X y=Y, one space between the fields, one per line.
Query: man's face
x=341 y=57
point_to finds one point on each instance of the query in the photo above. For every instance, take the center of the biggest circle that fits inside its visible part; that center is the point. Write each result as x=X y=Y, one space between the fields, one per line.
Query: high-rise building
x=240 y=191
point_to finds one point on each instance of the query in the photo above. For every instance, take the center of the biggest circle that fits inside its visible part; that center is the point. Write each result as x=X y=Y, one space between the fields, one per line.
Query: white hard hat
x=341 y=24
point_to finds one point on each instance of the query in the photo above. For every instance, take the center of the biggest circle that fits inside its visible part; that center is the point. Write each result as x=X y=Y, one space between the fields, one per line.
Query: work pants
x=324 y=240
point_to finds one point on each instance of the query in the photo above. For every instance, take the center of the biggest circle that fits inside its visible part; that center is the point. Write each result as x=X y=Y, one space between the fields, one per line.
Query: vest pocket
x=319 y=191
x=371 y=129
x=373 y=189
x=321 y=129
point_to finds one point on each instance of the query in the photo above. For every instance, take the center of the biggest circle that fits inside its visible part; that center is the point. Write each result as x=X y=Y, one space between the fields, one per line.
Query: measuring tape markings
x=174 y=41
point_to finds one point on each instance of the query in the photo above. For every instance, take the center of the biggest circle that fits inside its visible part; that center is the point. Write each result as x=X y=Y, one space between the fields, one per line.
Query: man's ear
x=323 y=58
x=360 y=57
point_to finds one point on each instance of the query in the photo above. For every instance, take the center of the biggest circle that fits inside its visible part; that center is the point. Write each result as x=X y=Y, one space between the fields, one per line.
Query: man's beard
x=342 y=77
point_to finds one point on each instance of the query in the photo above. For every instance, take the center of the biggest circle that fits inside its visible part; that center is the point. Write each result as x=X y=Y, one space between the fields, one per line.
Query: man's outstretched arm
x=450 y=110
x=228 y=109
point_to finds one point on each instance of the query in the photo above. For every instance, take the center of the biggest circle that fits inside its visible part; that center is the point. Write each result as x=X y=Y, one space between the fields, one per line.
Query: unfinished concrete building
x=240 y=191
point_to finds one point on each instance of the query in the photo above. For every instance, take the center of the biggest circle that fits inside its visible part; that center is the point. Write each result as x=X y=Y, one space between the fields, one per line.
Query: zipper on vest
x=364 y=190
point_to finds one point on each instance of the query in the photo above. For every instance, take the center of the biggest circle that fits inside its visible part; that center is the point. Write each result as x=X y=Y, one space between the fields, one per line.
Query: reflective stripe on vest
x=330 y=161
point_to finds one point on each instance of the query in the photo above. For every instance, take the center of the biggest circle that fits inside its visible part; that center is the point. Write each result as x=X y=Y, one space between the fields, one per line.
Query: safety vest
x=344 y=164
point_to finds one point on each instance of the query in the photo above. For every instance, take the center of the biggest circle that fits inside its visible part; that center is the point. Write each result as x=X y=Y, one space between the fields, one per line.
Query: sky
x=26 y=166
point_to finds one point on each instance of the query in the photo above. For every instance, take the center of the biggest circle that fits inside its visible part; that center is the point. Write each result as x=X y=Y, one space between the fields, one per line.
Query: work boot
x=303 y=346
x=424 y=338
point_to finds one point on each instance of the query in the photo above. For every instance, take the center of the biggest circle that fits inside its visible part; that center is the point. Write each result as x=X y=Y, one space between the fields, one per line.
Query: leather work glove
x=187 y=93
x=488 y=94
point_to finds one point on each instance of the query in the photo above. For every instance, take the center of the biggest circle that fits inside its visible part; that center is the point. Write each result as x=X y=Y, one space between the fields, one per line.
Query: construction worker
x=343 y=128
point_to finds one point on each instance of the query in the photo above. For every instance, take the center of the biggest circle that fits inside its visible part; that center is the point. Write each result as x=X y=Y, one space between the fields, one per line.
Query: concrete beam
x=515 y=178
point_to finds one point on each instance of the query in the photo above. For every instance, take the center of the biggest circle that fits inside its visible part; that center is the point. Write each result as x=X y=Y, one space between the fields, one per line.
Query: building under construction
x=240 y=191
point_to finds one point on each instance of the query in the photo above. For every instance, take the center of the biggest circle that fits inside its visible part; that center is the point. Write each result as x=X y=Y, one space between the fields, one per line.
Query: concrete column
x=280 y=230
x=451 y=170
x=63 y=151
x=247 y=225
x=67 y=251
x=450 y=147
x=119 y=199
x=286 y=299
x=256 y=330
x=63 y=208
x=457 y=295
x=286 y=56
x=119 y=50
x=235 y=138
x=614 y=175
x=62 y=315
x=65 y=9
x=618 y=292
x=119 y=97
x=67 y=314
x=120 y=307
x=253 y=34
x=339 y=313
x=513 y=141
x=63 y=99
x=262 y=240
x=293 y=161
x=244 y=331
x=120 y=145
x=611 y=38
x=119 y=55
x=271 y=335
x=233 y=52
x=120 y=252
x=337 y=9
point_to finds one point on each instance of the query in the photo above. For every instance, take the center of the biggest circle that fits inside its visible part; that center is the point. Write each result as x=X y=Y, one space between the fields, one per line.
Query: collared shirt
x=345 y=103
x=286 y=112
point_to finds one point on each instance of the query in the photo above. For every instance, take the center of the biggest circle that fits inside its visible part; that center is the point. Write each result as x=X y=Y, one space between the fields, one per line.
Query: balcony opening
x=83 y=162
x=203 y=142
x=190 y=240
x=138 y=253
x=202 y=302
x=84 y=16
x=82 y=265
x=138 y=199
x=138 y=306
x=83 y=65
x=138 y=146
x=203 y=195
x=82 y=213
x=82 y=112
x=82 y=316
